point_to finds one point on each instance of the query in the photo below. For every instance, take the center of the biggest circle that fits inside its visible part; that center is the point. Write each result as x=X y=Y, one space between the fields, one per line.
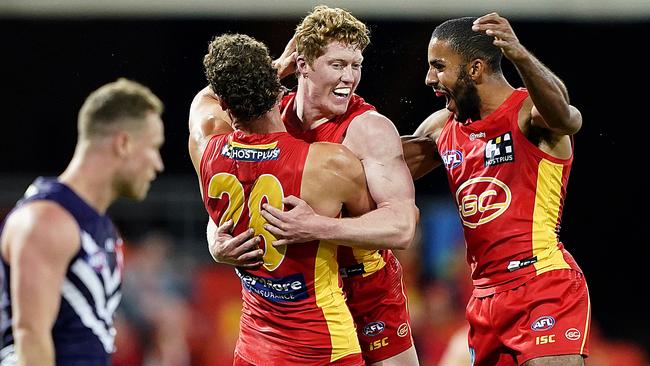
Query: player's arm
x=551 y=108
x=39 y=242
x=333 y=177
x=207 y=118
x=235 y=251
x=420 y=150
x=286 y=63
x=375 y=141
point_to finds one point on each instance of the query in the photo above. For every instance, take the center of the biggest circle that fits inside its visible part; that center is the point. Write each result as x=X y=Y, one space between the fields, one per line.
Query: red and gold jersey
x=361 y=260
x=510 y=196
x=294 y=311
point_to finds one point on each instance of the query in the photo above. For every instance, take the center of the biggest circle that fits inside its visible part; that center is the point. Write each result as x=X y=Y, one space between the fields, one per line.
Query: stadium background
x=55 y=52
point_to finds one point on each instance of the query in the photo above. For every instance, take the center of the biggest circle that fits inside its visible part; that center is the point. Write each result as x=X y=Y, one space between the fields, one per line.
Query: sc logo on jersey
x=481 y=200
x=452 y=158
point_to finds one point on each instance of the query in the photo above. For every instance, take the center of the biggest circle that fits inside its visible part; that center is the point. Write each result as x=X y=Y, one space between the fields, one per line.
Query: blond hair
x=324 y=25
x=117 y=102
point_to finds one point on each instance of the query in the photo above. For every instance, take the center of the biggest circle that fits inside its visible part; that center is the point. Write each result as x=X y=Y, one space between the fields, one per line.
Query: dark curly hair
x=239 y=71
x=468 y=43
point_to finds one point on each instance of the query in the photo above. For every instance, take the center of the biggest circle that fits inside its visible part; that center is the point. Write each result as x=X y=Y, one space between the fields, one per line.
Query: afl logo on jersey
x=374 y=328
x=452 y=158
x=481 y=200
x=543 y=323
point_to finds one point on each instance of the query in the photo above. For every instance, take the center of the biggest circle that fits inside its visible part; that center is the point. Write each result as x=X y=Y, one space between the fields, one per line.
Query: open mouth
x=443 y=93
x=342 y=92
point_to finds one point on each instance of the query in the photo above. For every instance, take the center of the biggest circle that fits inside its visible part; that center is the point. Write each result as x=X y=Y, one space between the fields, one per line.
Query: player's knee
x=565 y=360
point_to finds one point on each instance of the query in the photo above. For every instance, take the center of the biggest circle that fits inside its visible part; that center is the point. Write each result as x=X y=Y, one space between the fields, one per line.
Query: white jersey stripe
x=89 y=278
x=111 y=306
x=8 y=357
x=80 y=305
x=111 y=280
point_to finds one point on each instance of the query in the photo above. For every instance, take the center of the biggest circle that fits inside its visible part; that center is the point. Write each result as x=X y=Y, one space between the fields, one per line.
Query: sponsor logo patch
x=499 y=150
x=286 y=289
x=252 y=153
x=452 y=158
x=572 y=334
x=515 y=265
x=403 y=330
x=478 y=135
x=374 y=328
x=542 y=323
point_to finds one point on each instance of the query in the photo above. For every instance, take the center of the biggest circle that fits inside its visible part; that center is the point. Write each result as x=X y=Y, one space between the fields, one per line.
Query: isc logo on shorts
x=545 y=322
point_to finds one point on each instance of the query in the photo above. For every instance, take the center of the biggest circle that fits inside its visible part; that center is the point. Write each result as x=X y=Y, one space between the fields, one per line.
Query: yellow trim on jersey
x=545 y=217
x=329 y=298
x=371 y=259
x=586 y=329
x=272 y=145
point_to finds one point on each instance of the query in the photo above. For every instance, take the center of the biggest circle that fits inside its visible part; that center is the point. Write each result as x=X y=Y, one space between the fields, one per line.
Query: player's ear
x=302 y=66
x=476 y=68
x=122 y=143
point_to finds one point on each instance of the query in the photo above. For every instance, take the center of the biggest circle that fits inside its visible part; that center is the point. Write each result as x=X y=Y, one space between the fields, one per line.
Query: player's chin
x=139 y=193
x=340 y=105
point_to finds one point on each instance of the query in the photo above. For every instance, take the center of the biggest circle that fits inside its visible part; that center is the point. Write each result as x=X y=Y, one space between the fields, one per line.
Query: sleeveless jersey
x=294 y=312
x=83 y=332
x=352 y=260
x=510 y=196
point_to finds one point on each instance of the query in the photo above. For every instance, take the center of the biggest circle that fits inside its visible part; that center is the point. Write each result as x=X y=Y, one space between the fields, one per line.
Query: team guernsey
x=368 y=275
x=294 y=311
x=354 y=261
x=510 y=196
x=83 y=331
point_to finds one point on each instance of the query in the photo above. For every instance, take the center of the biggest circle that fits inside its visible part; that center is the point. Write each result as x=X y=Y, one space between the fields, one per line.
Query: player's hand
x=286 y=63
x=504 y=36
x=294 y=226
x=242 y=250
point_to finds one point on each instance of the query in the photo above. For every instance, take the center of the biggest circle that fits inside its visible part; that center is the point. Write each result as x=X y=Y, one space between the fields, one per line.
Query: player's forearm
x=34 y=347
x=420 y=155
x=390 y=226
x=548 y=93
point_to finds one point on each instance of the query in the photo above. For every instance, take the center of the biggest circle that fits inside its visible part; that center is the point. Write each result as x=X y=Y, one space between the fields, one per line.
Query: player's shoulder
x=332 y=157
x=43 y=223
x=372 y=127
x=42 y=215
x=433 y=123
x=207 y=115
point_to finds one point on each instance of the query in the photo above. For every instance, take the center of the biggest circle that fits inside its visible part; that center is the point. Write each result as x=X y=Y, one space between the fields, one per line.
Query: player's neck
x=93 y=185
x=493 y=93
x=308 y=112
x=270 y=122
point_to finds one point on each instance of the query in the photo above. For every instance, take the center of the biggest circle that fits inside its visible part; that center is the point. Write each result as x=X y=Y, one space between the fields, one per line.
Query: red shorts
x=547 y=316
x=349 y=360
x=379 y=307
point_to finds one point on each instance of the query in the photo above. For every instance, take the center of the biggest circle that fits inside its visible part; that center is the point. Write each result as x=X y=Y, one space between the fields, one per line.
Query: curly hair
x=239 y=71
x=122 y=102
x=468 y=43
x=324 y=25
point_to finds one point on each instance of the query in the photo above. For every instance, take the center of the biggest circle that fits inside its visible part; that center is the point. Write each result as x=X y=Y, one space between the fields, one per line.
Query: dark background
x=48 y=67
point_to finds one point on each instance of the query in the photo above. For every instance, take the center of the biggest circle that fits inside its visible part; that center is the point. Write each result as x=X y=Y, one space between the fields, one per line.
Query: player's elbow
x=406 y=228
